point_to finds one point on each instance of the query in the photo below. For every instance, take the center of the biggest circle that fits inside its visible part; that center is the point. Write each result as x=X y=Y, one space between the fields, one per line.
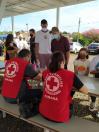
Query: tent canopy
x=16 y=7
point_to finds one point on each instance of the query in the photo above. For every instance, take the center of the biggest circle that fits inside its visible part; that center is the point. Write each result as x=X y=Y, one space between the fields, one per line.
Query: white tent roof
x=16 y=7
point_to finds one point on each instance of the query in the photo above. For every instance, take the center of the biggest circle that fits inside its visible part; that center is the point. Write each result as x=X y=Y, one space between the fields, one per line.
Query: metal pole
x=12 y=21
x=27 y=27
x=57 y=16
x=79 y=22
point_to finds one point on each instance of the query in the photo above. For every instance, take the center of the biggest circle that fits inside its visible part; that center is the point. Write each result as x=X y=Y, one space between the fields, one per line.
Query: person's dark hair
x=23 y=53
x=17 y=33
x=32 y=30
x=56 y=59
x=43 y=21
x=82 y=49
x=9 y=39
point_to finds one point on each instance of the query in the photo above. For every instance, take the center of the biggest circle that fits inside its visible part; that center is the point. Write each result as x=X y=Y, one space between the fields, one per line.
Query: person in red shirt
x=15 y=87
x=58 y=85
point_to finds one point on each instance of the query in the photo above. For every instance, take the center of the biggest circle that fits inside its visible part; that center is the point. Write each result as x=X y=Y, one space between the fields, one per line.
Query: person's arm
x=87 y=71
x=94 y=72
x=88 y=65
x=52 y=46
x=16 y=49
x=75 y=69
x=37 y=53
x=75 y=66
x=37 y=50
x=79 y=85
x=37 y=47
x=67 y=49
x=38 y=77
x=32 y=74
x=92 y=66
x=84 y=90
x=67 y=56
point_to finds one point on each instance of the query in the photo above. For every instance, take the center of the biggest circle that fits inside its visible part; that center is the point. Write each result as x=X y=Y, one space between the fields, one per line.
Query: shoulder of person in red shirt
x=63 y=71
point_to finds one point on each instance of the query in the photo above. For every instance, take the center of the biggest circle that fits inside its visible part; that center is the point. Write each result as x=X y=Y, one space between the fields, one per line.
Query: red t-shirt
x=14 y=73
x=56 y=98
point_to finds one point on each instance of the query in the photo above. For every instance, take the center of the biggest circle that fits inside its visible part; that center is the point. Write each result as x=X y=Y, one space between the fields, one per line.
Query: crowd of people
x=49 y=51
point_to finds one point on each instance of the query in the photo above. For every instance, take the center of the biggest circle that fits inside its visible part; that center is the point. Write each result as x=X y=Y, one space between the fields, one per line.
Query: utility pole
x=12 y=20
x=57 y=16
x=27 y=27
x=79 y=22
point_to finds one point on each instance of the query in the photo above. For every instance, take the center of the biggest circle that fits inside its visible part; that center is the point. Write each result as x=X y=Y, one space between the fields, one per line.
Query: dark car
x=3 y=37
x=93 y=48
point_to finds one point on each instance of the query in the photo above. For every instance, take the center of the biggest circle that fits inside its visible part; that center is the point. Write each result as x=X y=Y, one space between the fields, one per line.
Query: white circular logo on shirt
x=52 y=85
x=11 y=69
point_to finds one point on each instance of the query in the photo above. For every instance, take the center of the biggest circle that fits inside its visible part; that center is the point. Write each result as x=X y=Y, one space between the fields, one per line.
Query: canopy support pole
x=57 y=16
x=12 y=21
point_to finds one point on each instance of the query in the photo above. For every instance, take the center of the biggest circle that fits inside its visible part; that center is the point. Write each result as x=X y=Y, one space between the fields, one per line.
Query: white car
x=75 y=47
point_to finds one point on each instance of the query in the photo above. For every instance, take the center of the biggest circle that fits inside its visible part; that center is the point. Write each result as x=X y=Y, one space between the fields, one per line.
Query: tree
x=64 y=32
x=5 y=32
x=82 y=39
x=92 y=34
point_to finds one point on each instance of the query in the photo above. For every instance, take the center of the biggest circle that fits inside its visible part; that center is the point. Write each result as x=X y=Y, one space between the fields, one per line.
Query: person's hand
x=38 y=62
x=15 y=49
x=41 y=70
x=40 y=75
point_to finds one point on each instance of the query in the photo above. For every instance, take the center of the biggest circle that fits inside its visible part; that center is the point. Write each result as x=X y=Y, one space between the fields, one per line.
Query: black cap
x=43 y=21
x=32 y=30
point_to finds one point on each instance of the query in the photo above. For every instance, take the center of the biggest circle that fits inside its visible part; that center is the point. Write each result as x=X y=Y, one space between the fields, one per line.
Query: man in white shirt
x=20 y=42
x=16 y=39
x=43 y=45
x=25 y=44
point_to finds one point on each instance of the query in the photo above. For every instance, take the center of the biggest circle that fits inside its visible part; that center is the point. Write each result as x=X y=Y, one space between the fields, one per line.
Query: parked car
x=1 y=47
x=75 y=47
x=93 y=48
x=3 y=37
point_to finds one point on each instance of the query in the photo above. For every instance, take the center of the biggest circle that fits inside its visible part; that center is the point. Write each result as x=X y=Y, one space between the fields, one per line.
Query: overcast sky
x=69 y=17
